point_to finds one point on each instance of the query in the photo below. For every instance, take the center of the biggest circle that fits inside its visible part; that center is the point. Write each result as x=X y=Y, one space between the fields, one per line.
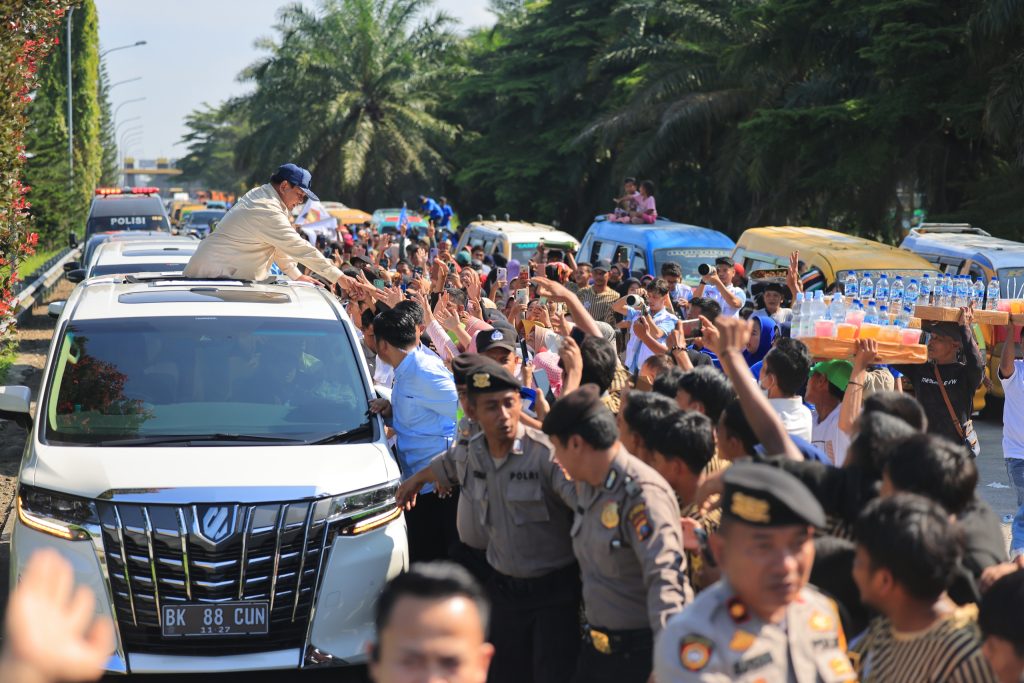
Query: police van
x=136 y=208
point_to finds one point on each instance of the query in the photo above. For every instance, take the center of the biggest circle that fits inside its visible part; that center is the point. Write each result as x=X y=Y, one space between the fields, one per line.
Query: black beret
x=767 y=496
x=490 y=377
x=574 y=408
x=501 y=337
x=465 y=363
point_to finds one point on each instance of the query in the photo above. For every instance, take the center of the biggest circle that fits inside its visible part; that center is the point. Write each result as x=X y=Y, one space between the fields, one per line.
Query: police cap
x=501 y=337
x=490 y=377
x=464 y=364
x=766 y=496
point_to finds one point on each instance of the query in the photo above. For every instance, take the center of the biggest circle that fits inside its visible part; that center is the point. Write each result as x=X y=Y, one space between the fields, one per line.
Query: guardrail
x=39 y=284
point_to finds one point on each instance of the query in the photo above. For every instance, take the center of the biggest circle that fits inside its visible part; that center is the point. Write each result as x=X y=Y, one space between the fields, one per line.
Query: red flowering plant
x=28 y=31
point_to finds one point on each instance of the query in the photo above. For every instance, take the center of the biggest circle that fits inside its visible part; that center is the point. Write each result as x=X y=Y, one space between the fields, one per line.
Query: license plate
x=221 y=619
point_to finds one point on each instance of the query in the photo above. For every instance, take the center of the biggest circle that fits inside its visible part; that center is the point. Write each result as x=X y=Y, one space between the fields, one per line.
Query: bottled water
x=867 y=288
x=837 y=309
x=977 y=293
x=992 y=296
x=850 y=285
x=925 y=297
x=871 y=316
x=962 y=292
x=819 y=310
x=903 y=319
x=896 y=293
x=882 y=289
x=947 y=290
x=796 y=323
x=883 y=315
x=913 y=294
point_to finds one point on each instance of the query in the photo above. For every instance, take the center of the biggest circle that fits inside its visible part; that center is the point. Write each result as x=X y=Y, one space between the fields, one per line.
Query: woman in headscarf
x=761 y=337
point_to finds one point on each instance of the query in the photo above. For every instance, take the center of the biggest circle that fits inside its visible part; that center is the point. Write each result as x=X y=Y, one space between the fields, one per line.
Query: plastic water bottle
x=867 y=288
x=882 y=289
x=820 y=310
x=925 y=297
x=992 y=296
x=850 y=285
x=903 y=319
x=962 y=295
x=947 y=290
x=978 y=293
x=912 y=296
x=796 y=323
x=896 y=293
x=883 y=315
x=871 y=316
x=837 y=309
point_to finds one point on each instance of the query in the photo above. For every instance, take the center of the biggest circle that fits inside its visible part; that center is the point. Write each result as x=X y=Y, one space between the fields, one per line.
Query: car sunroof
x=204 y=294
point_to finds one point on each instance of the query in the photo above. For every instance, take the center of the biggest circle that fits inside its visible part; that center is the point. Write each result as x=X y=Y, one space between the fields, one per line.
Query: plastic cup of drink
x=824 y=329
x=1017 y=306
x=910 y=336
x=1004 y=305
x=869 y=330
x=889 y=333
x=846 y=331
x=855 y=317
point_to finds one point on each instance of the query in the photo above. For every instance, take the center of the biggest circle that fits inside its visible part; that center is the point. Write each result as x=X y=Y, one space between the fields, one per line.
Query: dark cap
x=494 y=316
x=777 y=287
x=945 y=329
x=767 y=496
x=500 y=337
x=297 y=176
x=574 y=408
x=466 y=363
x=602 y=264
x=490 y=377
x=361 y=261
x=725 y=261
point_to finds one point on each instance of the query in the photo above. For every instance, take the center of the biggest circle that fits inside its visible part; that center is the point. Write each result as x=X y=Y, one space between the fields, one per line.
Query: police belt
x=607 y=641
x=557 y=580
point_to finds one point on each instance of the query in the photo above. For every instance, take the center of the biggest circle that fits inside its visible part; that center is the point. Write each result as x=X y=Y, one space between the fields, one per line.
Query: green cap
x=837 y=371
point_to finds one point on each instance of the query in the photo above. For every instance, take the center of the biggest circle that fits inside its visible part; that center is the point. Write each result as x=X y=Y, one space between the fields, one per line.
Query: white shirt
x=681 y=292
x=711 y=292
x=1013 y=411
x=255 y=233
x=636 y=351
x=796 y=417
x=832 y=440
x=781 y=316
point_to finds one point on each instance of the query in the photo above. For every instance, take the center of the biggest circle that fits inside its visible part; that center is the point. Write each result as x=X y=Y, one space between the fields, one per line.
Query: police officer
x=761 y=621
x=524 y=503
x=626 y=536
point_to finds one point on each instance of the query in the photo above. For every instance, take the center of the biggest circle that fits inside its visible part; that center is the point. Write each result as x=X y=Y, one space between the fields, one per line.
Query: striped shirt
x=949 y=651
x=599 y=306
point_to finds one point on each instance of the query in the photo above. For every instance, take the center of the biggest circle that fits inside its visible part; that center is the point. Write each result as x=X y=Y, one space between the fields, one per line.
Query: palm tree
x=350 y=91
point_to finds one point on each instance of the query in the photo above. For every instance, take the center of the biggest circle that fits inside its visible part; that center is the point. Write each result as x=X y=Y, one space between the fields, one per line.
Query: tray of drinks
x=952 y=315
x=889 y=352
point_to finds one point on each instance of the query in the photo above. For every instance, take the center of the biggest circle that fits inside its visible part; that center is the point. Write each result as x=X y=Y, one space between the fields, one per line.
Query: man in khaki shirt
x=627 y=537
x=525 y=503
x=258 y=231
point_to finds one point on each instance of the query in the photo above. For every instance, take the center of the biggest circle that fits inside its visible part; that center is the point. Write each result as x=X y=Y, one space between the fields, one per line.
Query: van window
x=638 y=266
x=607 y=251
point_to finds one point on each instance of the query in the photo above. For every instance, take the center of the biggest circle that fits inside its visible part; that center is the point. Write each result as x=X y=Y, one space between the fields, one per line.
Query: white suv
x=202 y=454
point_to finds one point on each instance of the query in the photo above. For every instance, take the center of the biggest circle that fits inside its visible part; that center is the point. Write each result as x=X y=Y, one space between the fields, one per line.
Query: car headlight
x=356 y=513
x=57 y=514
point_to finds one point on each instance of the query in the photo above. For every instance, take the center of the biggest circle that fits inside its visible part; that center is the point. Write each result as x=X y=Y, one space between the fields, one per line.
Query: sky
x=194 y=50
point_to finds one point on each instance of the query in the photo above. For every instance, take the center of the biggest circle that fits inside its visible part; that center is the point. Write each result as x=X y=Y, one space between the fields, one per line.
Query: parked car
x=514 y=239
x=201 y=453
x=139 y=208
x=386 y=220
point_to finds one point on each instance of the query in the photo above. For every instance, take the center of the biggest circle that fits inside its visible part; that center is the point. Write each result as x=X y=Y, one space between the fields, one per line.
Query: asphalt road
x=993 y=483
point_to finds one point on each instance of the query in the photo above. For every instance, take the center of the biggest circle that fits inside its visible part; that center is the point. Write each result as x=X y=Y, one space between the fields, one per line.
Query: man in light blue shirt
x=422 y=413
x=660 y=313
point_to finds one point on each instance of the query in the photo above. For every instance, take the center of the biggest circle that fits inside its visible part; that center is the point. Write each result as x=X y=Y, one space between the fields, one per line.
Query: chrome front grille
x=166 y=554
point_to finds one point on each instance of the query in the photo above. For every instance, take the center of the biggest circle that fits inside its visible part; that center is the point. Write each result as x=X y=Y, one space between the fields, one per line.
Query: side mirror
x=72 y=240
x=16 y=405
x=55 y=308
x=76 y=275
x=71 y=265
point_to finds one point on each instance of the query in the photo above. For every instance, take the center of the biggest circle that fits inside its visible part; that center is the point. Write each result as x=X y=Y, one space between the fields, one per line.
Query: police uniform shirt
x=948 y=651
x=471 y=531
x=523 y=502
x=628 y=540
x=718 y=639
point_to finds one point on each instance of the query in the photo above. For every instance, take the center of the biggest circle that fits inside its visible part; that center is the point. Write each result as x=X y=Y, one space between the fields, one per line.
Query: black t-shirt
x=961 y=381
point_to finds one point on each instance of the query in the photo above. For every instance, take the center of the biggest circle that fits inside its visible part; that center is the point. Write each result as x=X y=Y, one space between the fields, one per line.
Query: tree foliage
x=213 y=133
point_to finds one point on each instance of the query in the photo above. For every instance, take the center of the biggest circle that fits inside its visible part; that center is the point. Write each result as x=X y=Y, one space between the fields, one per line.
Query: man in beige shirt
x=258 y=231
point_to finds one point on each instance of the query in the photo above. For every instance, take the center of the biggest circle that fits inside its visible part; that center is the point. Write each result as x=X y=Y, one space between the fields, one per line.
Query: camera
x=633 y=300
x=704 y=269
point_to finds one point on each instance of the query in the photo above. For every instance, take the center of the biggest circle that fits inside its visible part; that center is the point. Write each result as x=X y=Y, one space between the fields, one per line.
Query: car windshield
x=1011 y=281
x=133 y=378
x=204 y=217
x=688 y=260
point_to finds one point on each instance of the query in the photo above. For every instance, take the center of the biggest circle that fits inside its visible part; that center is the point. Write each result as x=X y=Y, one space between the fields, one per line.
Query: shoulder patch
x=694 y=652
x=741 y=641
x=637 y=516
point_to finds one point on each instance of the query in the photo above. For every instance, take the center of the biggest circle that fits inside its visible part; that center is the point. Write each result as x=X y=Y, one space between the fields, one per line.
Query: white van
x=202 y=454
x=515 y=239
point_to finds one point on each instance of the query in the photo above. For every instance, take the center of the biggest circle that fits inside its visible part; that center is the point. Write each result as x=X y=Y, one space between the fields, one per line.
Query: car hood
x=210 y=474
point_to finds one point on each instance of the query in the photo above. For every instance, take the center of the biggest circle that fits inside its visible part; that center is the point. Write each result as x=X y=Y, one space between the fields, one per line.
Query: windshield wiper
x=362 y=430
x=207 y=438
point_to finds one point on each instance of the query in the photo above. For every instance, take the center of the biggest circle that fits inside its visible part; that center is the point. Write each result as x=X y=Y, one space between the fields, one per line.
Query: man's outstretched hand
x=52 y=632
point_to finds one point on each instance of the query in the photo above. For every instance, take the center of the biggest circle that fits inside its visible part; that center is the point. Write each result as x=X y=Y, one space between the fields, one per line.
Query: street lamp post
x=122 y=47
x=130 y=118
x=71 y=116
x=129 y=80
x=135 y=99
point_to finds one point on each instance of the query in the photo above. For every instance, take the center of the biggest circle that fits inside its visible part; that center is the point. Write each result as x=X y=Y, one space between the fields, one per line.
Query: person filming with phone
x=651 y=321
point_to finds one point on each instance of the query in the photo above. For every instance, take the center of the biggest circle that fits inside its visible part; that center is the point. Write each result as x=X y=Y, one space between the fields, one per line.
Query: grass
x=8 y=352
x=32 y=263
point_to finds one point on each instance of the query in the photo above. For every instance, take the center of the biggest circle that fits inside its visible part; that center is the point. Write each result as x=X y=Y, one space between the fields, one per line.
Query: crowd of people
x=615 y=476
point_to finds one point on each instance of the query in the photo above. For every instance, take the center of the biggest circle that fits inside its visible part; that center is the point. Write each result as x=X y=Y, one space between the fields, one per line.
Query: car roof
x=146 y=296
x=523 y=231
x=207 y=212
x=135 y=251
x=662 y=234
x=126 y=205
x=1000 y=252
x=388 y=215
